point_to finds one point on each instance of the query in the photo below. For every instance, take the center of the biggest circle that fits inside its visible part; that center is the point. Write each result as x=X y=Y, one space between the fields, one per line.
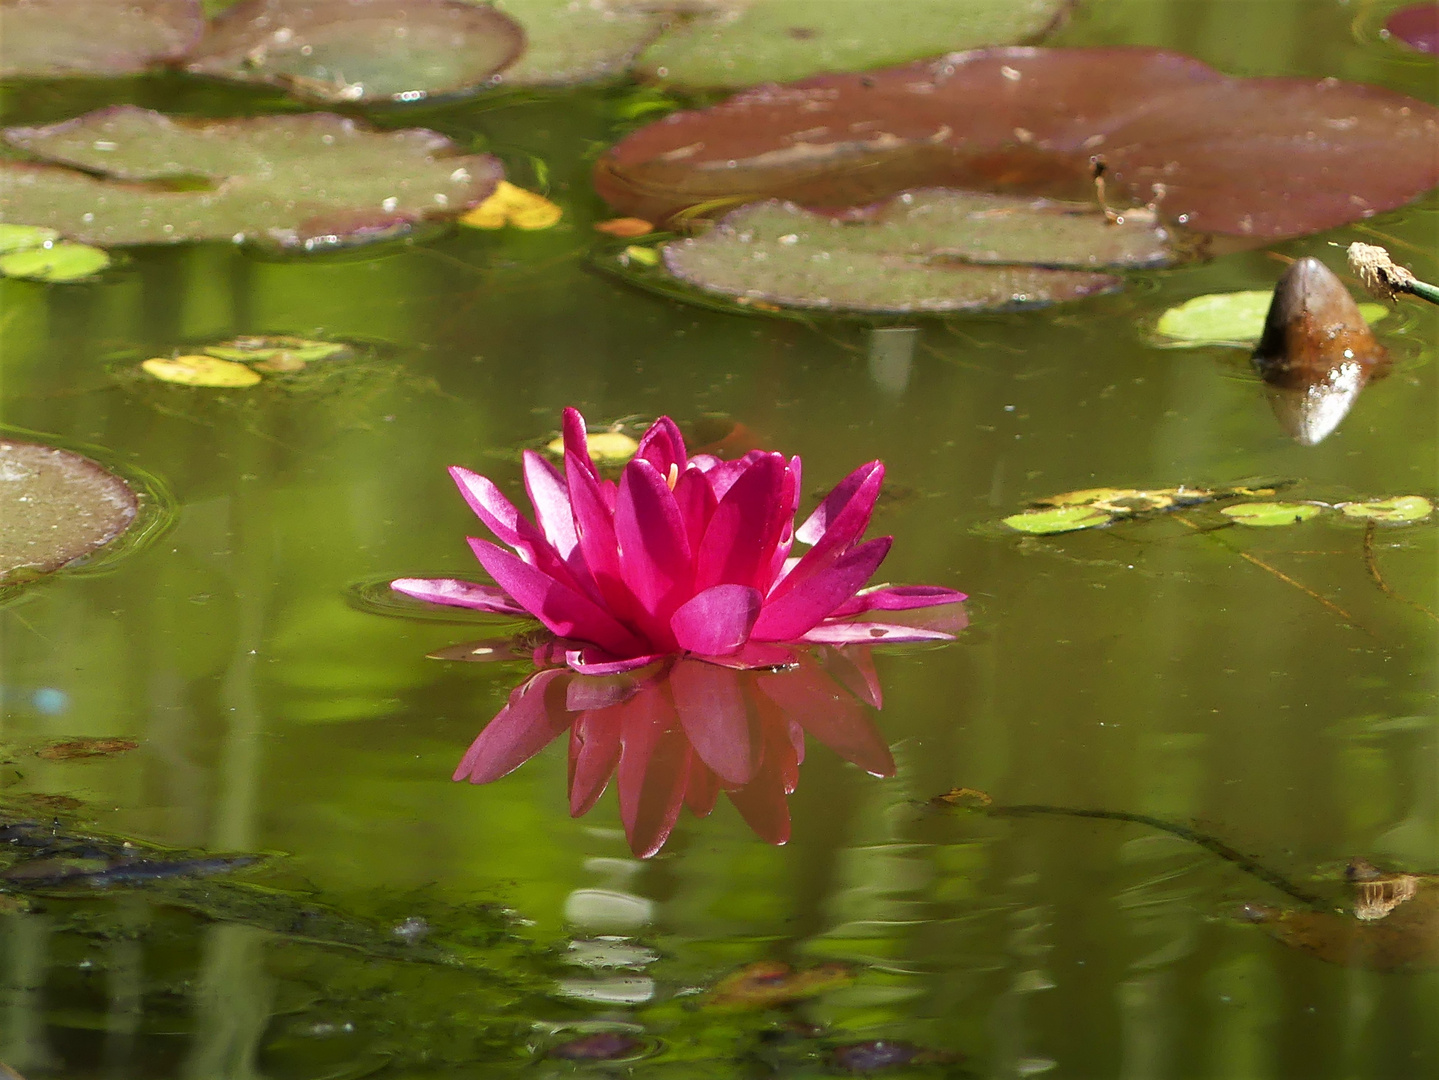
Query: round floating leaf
x=359 y=50
x=735 y=44
x=308 y=181
x=52 y=39
x=625 y=228
x=1417 y=26
x=511 y=205
x=1218 y=153
x=277 y=352
x=201 y=371
x=58 y=262
x=568 y=43
x=916 y=253
x=23 y=237
x=1400 y=510
x=1059 y=520
x=1235 y=318
x=55 y=507
x=1269 y=514
x=606 y=447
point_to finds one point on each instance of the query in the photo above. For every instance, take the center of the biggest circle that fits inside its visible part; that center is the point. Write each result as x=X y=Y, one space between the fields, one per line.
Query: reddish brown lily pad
x=1260 y=158
x=766 y=984
x=78 y=749
x=306 y=181
x=51 y=39
x=1417 y=26
x=359 y=50
x=923 y=251
x=56 y=506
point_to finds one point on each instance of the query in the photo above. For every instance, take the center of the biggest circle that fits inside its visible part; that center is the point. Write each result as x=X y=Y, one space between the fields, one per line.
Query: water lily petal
x=717 y=620
x=594 y=753
x=834 y=503
x=869 y=633
x=551 y=500
x=810 y=600
x=576 y=441
x=559 y=607
x=702 y=790
x=753 y=655
x=530 y=720
x=509 y=525
x=599 y=692
x=653 y=770
x=655 y=561
x=745 y=528
x=457 y=593
x=898 y=598
x=589 y=661
x=854 y=669
x=594 y=524
x=713 y=713
x=844 y=522
x=662 y=446
x=696 y=501
x=828 y=713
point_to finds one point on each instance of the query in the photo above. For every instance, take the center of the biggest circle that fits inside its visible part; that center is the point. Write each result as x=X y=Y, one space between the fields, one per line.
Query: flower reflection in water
x=681 y=731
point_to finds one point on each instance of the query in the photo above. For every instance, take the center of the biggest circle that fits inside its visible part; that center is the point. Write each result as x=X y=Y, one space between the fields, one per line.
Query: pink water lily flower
x=684 y=555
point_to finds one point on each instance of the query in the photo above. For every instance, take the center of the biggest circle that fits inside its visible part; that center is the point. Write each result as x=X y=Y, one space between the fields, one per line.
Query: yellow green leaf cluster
x=513 y=206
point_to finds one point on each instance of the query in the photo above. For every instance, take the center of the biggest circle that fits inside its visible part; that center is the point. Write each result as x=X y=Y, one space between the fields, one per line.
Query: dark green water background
x=1149 y=669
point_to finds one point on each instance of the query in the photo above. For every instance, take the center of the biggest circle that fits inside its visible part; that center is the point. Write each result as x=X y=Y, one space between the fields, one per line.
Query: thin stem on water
x=1371 y=563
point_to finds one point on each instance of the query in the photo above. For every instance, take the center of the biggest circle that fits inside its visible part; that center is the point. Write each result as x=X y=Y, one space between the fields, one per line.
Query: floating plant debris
x=600 y=1046
x=1235 y=318
x=1400 y=510
x=55 y=39
x=1092 y=507
x=359 y=50
x=197 y=370
x=1216 y=153
x=769 y=983
x=625 y=227
x=79 y=749
x=306 y=181
x=56 y=506
x=511 y=205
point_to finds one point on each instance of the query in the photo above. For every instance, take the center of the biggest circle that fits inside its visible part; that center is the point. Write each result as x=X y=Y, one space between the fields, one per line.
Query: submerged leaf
x=1060 y=520
x=56 y=506
x=766 y=984
x=737 y=43
x=306 y=181
x=52 y=39
x=1400 y=510
x=932 y=250
x=1235 y=318
x=511 y=205
x=200 y=370
x=1219 y=154
x=78 y=749
x=56 y=262
x=359 y=50
x=1269 y=514
x=606 y=447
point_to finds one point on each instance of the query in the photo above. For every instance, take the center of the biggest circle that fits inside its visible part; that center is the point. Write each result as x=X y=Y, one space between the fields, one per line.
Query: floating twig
x=1371 y=563
x=1385 y=278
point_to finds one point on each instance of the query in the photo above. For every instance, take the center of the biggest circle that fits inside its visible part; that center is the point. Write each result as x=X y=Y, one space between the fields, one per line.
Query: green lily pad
x=206 y=371
x=1235 y=318
x=733 y=44
x=23 y=237
x=931 y=250
x=568 y=43
x=56 y=506
x=58 y=262
x=359 y=50
x=1061 y=519
x=304 y=181
x=1270 y=514
x=1400 y=510
x=277 y=352
x=54 y=39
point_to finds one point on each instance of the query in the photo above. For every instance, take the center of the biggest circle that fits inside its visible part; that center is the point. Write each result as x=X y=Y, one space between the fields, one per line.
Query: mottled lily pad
x=740 y=43
x=56 y=506
x=309 y=181
x=24 y=237
x=1235 y=318
x=567 y=43
x=52 y=39
x=1417 y=26
x=198 y=370
x=278 y=353
x=55 y=262
x=1400 y=510
x=359 y=50
x=1271 y=514
x=928 y=250
x=1255 y=158
x=1058 y=520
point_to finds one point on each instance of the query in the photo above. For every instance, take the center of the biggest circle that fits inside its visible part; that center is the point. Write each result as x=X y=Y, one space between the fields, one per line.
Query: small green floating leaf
x=206 y=371
x=24 y=237
x=1400 y=510
x=58 y=262
x=1059 y=520
x=1235 y=318
x=277 y=353
x=1269 y=514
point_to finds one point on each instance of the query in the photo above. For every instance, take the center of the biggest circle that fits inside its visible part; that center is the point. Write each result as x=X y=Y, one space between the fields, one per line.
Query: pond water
x=1257 y=686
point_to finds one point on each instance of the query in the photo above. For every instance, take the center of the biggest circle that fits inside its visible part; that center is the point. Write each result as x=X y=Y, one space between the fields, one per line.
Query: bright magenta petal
x=717 y=621
x=844 y=524
x=720 y=726
x=899 y=598
x=594 y=753
x=555 y=604
x=534 y=715
x=819 y=522
x=589 y=661
x=655 y=551
x=810 y=600
x=869 y=633
x=576 y=441
x=456 y=593
x=745 y=528
x=662 y=446
x=551 y=500
x=653 y=770
x=696 y=501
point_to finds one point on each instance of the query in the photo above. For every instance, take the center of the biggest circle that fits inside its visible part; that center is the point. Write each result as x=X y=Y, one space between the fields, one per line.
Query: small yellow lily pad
x=606 y=447
x=1399 y=510
x=1270 y=514
x=24 y=237
x=58 y=262
x=1061 y=519
x=201 y=371
x=511 y=205
x=645 y=256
